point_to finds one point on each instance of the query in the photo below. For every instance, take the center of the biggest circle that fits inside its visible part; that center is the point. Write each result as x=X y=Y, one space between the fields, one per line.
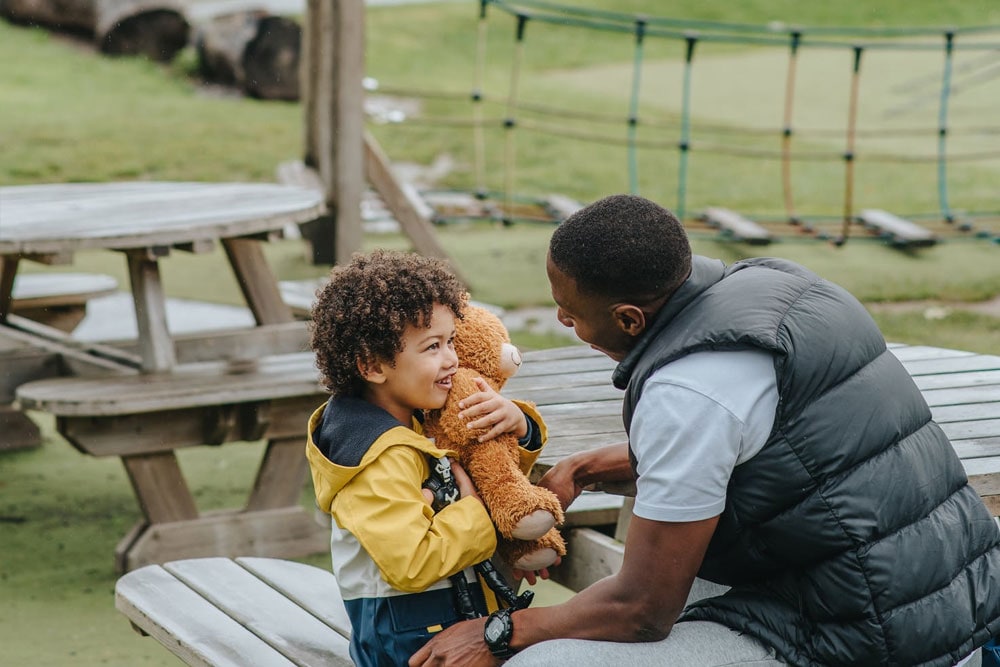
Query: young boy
x=383 y=330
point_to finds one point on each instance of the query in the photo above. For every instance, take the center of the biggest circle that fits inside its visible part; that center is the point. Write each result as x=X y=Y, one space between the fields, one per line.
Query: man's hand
x=488 y=409
x=570 y=476
x=461 y=645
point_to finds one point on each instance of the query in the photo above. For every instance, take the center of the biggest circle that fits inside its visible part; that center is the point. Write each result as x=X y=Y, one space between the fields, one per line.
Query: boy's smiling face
x=420 y=376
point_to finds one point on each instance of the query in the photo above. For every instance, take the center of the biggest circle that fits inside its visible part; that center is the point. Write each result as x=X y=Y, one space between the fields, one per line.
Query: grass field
x=69 y=115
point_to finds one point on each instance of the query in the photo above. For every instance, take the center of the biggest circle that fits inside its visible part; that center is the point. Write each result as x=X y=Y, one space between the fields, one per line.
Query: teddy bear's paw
x=536 y=560
x=533 y=525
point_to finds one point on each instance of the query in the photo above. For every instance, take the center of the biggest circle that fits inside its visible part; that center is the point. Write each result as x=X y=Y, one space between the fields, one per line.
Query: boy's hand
x=532 y=576
x=462 y=481
x=488 y=409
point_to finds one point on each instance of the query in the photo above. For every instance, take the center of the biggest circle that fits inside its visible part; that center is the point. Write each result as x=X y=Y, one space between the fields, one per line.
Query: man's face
x=591 y=317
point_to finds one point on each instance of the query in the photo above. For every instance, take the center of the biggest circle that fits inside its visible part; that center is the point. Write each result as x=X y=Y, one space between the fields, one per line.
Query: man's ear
x=630 y=319
x=371 y=371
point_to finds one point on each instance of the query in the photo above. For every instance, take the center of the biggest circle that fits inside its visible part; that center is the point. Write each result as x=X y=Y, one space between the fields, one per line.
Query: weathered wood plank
x=554 y=382
x=281 y=475
x=82 y=358
x=955 y=413
x=8 y=271
x=566 y=366
x=155 y=346
x=160 y=488
x=187 y=624
x=917 y=352
x=963 y=395
x=337 y=97
x=309 y=587
x=276 y=533
x=954 y=380
x=188 y=427
x=279 y=621
x=570 y=394
x=64 y=218
x=979 y=362
x=407 y=208
x=194 y=385
x=257 y=281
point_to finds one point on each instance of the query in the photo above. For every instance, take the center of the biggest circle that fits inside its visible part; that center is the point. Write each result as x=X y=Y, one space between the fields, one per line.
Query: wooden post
x=333 y=104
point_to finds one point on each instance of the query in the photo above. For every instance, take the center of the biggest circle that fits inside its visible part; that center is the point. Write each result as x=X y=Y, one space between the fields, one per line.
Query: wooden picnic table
x=216 y=611
x=146 y=221
x=139 y=392
x=572 y=386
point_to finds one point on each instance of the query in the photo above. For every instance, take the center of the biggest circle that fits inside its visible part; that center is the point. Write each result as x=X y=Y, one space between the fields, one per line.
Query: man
x=778 y=449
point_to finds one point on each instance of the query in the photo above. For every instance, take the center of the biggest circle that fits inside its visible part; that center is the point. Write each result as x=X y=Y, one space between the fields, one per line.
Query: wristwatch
x=498 y=633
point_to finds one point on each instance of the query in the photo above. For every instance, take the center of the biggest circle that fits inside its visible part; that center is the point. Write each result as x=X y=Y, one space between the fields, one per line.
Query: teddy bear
x=524 y=515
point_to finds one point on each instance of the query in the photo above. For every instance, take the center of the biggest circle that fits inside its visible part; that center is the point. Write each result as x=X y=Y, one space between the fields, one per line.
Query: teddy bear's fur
x=525 y=515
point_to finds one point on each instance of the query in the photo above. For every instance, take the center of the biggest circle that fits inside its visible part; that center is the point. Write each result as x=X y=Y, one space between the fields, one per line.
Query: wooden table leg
x=163 y=496
x=258 y=282
x=155 y=344
x=281 y=476
x=273 y=524
x=8 y=269
x=17 y=431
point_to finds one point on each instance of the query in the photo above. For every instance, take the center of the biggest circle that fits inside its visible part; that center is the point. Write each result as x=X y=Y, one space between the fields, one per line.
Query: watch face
x=494 y=629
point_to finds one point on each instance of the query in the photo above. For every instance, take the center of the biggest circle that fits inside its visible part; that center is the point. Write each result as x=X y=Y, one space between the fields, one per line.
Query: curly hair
x=622 y=246
x=362 y=312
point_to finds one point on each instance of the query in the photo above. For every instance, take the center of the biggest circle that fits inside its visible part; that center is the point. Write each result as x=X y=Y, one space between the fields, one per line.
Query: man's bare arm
x=639 y=603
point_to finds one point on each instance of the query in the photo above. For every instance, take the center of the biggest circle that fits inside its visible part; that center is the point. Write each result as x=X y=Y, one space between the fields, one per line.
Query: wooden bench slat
x=310 y=587
x=42 y=290
x=950 y=380
x=274 y=618
x=188 y=625
x=207 y=384
x=980 y=362
x=964 y=395
x=919 y=352
x=953 y=413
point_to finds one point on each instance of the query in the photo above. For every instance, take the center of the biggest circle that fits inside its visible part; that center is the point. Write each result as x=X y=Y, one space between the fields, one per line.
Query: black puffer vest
x=852 y=538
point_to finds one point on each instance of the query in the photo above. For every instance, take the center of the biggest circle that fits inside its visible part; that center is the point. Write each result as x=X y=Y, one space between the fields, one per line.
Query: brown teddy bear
x=525 y=515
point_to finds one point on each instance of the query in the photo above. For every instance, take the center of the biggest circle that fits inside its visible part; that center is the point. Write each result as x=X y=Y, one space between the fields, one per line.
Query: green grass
x=70 y=115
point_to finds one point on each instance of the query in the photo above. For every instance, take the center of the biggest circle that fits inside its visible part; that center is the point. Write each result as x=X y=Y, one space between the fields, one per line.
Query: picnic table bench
x=144 y=418
x=58 y=299
x=233 y=613
x=572 y=388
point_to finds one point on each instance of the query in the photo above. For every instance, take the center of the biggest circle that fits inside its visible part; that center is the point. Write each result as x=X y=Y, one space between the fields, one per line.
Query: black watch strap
x=498 y=632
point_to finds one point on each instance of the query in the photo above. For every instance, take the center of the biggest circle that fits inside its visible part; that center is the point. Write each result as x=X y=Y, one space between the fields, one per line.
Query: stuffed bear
x=525 y=515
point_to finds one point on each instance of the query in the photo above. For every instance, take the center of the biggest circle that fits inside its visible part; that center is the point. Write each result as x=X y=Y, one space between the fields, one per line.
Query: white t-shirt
x=698 y=418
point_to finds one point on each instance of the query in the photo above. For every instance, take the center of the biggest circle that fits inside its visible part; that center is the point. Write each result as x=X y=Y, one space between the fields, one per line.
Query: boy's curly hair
x=361 y=313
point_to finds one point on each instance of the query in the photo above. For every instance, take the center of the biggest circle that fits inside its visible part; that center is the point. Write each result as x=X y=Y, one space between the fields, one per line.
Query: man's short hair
x=623 y=247
x=362 y=312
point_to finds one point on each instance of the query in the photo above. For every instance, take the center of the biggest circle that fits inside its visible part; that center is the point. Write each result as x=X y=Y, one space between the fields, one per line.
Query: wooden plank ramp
x=736 y=226
x=898 y=231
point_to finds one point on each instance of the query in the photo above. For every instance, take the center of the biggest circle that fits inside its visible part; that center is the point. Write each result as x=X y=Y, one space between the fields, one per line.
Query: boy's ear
x=371 y=371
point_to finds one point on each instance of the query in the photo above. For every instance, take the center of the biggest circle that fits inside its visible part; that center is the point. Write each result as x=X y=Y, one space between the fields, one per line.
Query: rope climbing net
x=798 y=121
